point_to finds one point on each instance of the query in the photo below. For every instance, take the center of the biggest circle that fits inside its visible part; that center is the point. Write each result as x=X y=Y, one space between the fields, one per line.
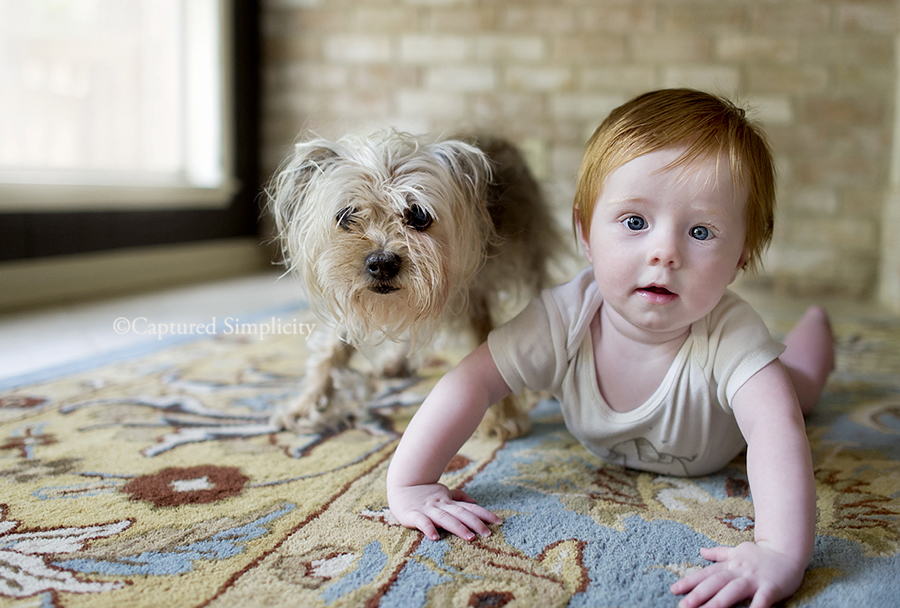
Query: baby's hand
x=746 y=571
x=427 y=507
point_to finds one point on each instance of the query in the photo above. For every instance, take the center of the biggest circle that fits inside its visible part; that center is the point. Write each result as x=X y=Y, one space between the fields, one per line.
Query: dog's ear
x=310 y=158
x=287 y=190
x=466 y=162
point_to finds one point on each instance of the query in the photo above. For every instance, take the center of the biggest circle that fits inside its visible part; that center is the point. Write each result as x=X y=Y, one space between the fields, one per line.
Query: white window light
x=114 y=104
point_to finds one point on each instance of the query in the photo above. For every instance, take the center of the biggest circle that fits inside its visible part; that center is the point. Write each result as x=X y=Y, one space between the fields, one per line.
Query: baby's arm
x=779 y=467
x=444 y=422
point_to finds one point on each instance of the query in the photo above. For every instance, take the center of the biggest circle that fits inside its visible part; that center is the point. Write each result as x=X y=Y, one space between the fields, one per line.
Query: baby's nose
x=665 y=251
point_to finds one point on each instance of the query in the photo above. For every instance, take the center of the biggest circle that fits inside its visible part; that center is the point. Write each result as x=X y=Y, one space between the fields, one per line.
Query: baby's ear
x=579 y=231
x=743 y=263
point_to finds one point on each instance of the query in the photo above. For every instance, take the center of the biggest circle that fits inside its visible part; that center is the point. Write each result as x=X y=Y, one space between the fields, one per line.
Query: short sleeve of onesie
x=534 y=348
x=742 y=343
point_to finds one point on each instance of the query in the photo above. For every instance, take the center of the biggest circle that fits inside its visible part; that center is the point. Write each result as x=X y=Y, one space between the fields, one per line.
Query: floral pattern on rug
x=160 y=480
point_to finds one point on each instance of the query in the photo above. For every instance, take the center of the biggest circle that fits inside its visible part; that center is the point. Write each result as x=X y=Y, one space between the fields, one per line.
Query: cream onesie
x=686 y=427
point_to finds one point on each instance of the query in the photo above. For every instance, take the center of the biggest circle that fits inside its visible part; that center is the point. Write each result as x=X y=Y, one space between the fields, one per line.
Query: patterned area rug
x=157 y=480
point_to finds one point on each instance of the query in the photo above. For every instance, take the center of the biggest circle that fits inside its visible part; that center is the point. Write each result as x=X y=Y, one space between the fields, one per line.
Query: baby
x=656 y=365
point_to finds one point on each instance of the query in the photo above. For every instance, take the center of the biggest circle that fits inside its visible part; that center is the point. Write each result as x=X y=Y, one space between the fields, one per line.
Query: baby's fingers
x=716 y=554
x=718 y=589
x=461 y=496
x=481 y=513
x=691 y=581
x=732 y=593
x=764 y=597
x=475 y=516
x=460 y=522
x=423 y=523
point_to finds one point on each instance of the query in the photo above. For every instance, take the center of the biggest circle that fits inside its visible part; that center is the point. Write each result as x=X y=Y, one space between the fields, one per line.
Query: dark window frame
x=27 y=235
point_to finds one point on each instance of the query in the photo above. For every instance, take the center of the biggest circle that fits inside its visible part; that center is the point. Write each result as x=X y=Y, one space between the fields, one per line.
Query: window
x=126 y=115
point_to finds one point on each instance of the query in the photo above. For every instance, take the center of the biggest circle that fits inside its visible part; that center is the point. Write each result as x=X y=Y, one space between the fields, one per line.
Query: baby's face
x=665 y=243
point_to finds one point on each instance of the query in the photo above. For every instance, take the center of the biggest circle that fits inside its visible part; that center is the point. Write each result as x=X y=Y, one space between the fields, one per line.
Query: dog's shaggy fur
x=391 y=234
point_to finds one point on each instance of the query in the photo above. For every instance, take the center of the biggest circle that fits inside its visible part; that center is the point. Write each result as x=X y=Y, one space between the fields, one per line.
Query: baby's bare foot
x=809 y=356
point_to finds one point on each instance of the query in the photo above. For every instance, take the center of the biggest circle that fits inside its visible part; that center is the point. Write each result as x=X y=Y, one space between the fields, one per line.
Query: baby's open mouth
x=655 y=289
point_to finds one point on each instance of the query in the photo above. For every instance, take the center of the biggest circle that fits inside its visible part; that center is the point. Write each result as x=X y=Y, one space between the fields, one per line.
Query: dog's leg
x=507 y=419
x=510 y=417
x=315 y=409
x=398 y=364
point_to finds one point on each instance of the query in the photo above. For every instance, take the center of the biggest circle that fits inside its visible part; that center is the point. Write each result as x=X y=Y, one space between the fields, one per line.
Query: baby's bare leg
x=809 y=356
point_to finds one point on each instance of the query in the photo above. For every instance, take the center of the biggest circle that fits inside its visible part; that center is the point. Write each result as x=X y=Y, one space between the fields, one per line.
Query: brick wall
x=820 y=74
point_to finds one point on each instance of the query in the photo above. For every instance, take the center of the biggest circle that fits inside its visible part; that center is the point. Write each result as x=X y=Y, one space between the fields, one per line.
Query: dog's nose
x=383 y=266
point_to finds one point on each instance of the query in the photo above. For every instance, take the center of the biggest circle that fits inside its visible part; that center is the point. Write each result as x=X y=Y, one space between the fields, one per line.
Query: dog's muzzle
x=382 y=267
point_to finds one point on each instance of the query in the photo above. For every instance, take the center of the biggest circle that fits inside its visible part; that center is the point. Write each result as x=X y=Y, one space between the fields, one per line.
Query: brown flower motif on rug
x=21 y=401
x=175 y=486
x=24 y=441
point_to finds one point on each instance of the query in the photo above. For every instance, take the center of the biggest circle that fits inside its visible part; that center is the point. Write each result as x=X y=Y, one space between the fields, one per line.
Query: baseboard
x=29 y=284
x=889 y=272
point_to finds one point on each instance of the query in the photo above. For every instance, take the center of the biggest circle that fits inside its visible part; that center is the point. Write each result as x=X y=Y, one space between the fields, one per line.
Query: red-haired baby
x=656 y=364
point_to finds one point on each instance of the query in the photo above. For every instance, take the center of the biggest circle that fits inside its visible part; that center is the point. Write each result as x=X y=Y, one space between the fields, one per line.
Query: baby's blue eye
x=635 y=223
x=701 y=233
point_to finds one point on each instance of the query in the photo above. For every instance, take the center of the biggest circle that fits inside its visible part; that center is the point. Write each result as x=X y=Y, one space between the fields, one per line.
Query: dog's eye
x=344 y=218
x=418 y=218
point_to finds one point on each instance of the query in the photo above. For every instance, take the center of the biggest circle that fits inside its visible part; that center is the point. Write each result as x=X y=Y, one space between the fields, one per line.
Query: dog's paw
x=504 y=421
x=397 y=368
x=287 y=420
x=315 y=422
x=300 y=425
x=508 y=419
x=304 y=415
x=502 y=429
x=340 y=407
